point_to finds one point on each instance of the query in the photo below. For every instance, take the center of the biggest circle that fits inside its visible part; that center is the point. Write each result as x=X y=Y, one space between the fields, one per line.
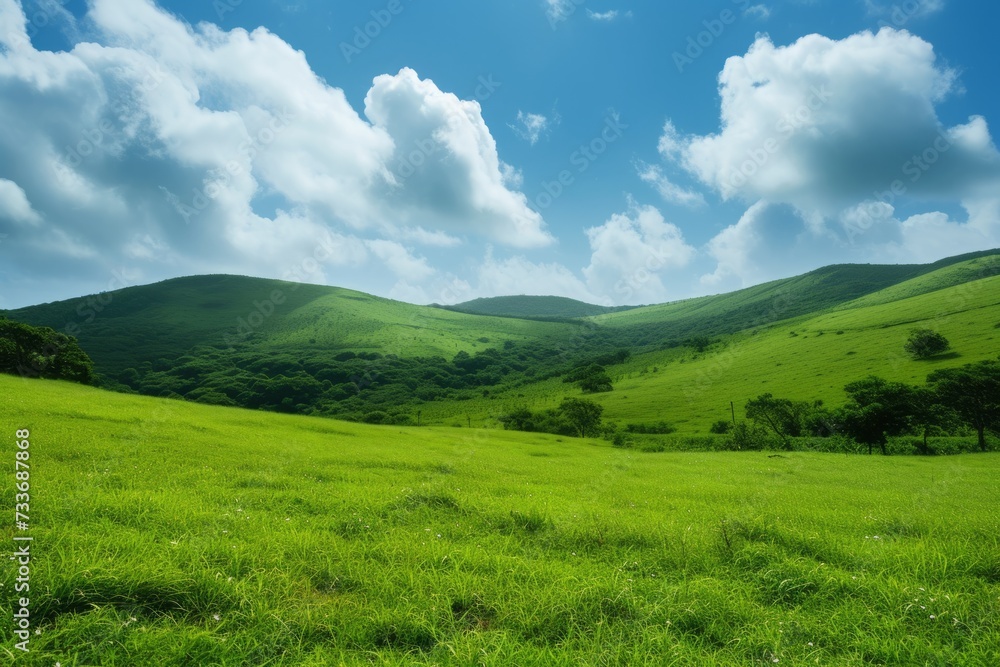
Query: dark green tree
x=41 y=352
x=518 y=419
x=973 y=391
x=781 y=415
x=584 y=415
x=926 y=343
x=877 y=410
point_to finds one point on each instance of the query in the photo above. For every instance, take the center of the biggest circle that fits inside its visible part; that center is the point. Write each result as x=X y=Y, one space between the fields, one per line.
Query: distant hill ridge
x=533 y=307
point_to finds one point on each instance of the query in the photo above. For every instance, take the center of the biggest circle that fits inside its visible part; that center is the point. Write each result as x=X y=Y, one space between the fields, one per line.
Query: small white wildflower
x=216 y=617
x=38 y=631
x=809 y=644
x=933 y=617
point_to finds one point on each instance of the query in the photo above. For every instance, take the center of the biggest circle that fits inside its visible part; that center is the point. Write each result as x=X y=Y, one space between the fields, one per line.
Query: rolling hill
x=806 y=357
x=281 y=346
x=144 y=324
x=548 y=307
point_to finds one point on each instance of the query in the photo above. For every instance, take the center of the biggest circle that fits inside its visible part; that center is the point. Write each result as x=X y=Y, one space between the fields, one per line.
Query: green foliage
x=653 y=428
x=721 y=427
x=781 y=415
x=877 y=410
x=973 y=392
x=926 y=343
x=40 y=352
x=584 y=415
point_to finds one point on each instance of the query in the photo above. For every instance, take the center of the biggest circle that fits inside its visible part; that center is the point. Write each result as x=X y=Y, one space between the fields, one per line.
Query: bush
x=654 y=428
x=721 y=427
x=926 y=343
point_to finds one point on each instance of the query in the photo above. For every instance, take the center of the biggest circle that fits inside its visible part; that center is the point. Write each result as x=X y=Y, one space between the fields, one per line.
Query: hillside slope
x=784 y=299
x=142 y=325
x=810 y=357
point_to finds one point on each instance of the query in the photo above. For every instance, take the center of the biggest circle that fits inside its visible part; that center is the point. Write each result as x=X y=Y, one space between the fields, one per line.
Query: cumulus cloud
x=824 y=126
x=632 y=253
x=195 y=149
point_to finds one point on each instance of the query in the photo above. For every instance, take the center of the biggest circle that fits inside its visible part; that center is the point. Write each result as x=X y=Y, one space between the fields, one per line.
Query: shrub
x=721 y=427
x=926 y=343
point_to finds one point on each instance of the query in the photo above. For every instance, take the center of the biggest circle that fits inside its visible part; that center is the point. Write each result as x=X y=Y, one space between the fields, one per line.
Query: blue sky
x=611 y=151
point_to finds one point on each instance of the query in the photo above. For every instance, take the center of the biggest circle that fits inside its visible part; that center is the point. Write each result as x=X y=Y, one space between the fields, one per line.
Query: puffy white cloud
x=191 y=149
x=632 y=252
x=835 y=135
x=446 y=170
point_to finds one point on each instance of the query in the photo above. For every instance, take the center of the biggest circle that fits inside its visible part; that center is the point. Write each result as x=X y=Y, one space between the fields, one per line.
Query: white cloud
x=446 y=171
x=193 y=149
x=605 y=17
x=670 y=191
x=762 y=12
x=558 y=10
x=518 y=275
x=14 y=204
x=401 y=261
x=830 y=129
x=632 y=253
x=530 y=126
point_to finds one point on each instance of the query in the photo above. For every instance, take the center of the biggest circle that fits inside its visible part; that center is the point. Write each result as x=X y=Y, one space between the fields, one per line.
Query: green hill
x=141 y=325
x=171 y=533
x=273 y=345
x=810 y=357
x=551 y=307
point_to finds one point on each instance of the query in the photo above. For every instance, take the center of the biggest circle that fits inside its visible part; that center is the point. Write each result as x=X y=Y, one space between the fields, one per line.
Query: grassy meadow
x=173 y=533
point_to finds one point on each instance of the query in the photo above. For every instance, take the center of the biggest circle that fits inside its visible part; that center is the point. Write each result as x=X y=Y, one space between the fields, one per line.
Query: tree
x=930 y=415
x=973 y=391
x=781 y=415
x=583 y=414
x=41 y=352
x=926 y=343
x=877 y=410
x=518 y=419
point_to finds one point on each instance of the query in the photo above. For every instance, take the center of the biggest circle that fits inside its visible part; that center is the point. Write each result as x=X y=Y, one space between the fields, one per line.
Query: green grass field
x=172 y=533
